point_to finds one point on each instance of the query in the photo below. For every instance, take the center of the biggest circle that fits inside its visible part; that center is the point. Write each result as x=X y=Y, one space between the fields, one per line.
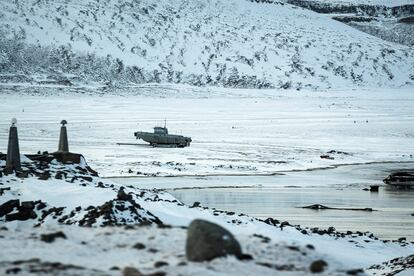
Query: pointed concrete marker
x=13 y=152
x=63 y=139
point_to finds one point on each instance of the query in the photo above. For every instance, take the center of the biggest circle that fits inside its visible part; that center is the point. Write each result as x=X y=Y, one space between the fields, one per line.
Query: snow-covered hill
x=236 y=43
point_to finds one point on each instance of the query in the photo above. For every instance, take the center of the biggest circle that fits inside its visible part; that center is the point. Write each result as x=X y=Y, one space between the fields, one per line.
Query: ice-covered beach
x=234 y=131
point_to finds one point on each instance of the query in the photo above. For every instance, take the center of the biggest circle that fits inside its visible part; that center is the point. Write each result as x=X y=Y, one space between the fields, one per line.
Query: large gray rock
x=206 y=241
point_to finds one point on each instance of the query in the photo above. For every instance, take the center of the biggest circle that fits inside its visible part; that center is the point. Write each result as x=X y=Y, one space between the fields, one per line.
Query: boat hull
x=400 y=179
x=399 y=184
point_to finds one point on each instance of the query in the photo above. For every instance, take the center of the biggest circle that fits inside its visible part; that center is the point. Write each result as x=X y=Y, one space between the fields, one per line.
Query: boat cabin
x=160 y=130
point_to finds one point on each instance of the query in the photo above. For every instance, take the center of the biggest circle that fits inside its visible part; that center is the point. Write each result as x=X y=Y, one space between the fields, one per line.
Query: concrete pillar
x=13 y=152
x=63 y=139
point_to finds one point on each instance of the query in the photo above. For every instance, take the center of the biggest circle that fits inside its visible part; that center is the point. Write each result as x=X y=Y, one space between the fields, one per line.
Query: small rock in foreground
x=318 y=266
x=139 y=246
x=52 y=236
x=207 y=241
x=130 y=271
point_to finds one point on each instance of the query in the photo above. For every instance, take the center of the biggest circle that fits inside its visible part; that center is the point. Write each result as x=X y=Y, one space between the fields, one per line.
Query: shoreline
x=264 y=174
x=280 y=196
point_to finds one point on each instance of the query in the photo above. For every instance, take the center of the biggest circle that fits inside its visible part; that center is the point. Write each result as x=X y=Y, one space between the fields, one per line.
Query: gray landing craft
x=400 y=179
x=161 y=138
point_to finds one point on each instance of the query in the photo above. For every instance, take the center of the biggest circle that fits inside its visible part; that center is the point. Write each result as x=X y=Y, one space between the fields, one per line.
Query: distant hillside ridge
x=387 y=19
x=355 y=8
x=232 y=43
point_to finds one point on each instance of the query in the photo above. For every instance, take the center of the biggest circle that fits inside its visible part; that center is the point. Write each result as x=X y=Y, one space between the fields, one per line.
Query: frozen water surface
x=233 y=131
x=281 y=197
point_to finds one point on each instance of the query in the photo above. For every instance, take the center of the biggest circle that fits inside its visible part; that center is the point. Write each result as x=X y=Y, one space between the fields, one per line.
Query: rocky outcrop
x=14 y=210
x=362 y=9
x=42 y=166
x=394 y=266
x=391 y=23
x=8 y=206
x=120 y=211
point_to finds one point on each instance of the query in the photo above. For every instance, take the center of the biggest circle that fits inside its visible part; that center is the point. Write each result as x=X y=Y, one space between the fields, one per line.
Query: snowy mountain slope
x=227 y=43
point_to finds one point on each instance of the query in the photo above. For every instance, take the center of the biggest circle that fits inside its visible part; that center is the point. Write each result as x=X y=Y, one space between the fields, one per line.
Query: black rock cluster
x=14 y=210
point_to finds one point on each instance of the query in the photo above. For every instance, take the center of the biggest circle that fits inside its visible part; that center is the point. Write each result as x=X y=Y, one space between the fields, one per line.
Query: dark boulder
x=60 y=175
x=246 y=257
x=8 y=206
x=23 y=174
x=318 y=266
x=44 y=176
x=86 y=178
x=91 y=171
x=13 y=270
x=130 y=271
x=122 y=195
x=157 y=273
x=100 y=185
x=207 y=241
x=49 y=238
x=67 y=157
x=160 y=264
x=4 y=189
x=271 y=221
x=23 y=214
x=310 y=246
x=357 y=271
x=284 y=223
x=28 y=205
x=139 y=246
x=374 y=188
x=41 y=205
